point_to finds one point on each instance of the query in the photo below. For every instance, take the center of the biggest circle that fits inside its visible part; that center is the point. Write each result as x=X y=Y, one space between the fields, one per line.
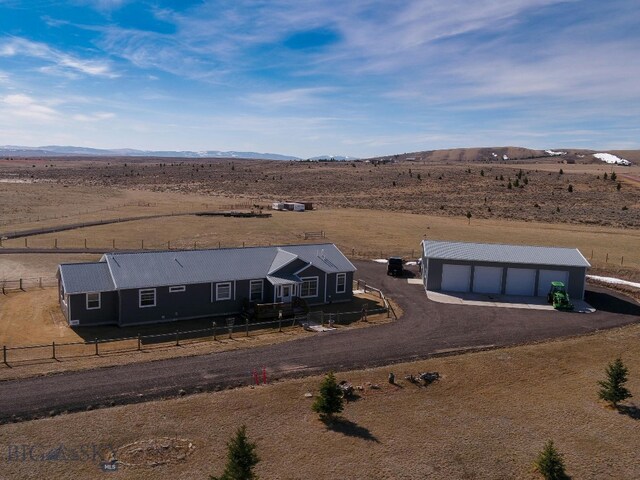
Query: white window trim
x=146 y=290
x=344 y=285
x=218 y=297
x=177 y=288
x=99 y=301
x=256 y=282
x=306 y=279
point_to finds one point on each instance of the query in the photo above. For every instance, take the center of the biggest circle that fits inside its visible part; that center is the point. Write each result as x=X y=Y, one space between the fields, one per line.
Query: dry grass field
x=487 y=417
x=443 y=189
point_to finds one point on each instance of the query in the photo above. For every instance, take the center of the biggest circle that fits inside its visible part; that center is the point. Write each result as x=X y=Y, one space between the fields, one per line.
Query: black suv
x=395 y=266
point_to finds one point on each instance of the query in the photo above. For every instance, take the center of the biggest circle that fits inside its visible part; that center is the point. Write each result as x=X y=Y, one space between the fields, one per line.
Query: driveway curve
x=426 y=328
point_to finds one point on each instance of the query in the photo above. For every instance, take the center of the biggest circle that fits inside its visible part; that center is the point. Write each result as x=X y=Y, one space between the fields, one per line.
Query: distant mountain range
x=57 y=151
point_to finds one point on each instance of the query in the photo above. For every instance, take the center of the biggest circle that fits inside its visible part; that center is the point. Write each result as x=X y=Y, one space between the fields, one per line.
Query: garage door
x=456 y=278
x=548 y=276
x=521 y=281
x=487 y=280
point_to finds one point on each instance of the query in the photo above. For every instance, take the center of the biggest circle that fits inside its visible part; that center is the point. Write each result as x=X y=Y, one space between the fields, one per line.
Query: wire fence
x=220 y=330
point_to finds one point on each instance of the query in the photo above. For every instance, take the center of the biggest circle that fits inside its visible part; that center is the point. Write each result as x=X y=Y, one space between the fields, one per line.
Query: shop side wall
x=433 y=273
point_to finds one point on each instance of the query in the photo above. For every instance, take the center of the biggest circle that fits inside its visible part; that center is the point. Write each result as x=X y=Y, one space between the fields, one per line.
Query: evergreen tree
x=605 y=175
x=241 y=458
x=612 y=389
x=330 y=401
x=570 y=189
x=613 y=176
x=549 y=463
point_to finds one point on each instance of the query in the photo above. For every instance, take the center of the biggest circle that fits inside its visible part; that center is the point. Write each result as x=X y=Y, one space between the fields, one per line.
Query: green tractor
x=559 y=297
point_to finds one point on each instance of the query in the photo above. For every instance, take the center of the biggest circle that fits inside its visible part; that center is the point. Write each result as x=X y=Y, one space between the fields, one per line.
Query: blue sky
x=305 y=78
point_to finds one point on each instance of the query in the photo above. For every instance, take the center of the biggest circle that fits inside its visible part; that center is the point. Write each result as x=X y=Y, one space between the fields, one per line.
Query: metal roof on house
x=488 y=252
x=86 y=277
x=149 y=269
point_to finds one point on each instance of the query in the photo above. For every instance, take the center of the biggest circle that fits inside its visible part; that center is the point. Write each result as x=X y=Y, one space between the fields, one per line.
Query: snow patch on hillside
x=612 y=159
x=553 y=153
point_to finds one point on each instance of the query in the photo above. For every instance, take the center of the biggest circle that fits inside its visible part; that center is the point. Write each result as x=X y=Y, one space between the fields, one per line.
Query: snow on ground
x=380 y=260
x=411 y=263
x=610 y=158
x=504 y=157
x=494 y=154
x=615 y=281
x=553 y=154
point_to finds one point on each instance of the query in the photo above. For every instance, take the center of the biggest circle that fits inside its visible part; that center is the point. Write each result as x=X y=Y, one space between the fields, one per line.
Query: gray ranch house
x=147 y=287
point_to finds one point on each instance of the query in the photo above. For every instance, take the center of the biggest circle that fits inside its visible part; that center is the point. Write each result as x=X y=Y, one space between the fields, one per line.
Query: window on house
x=93 y=301
x=223 y=291
x=309 y=287
x=147 y=297
x=256 y=291
x=341 y=283
x=177 y=288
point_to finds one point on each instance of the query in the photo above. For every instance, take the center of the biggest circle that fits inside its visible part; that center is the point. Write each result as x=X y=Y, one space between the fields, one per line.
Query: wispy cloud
x=20 y=105
x=16 y=46
x=294 y=96
x=93 y=117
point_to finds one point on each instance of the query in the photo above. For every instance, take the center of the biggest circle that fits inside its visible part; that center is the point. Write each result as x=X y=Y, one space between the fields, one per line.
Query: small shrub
x=570 y=188
x=619 y=186
x=550 y=463
x=612 y=389
x=329 y=402
x=561 y=172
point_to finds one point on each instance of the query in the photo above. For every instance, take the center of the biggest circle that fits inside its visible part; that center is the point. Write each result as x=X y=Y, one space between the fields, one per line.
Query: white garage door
x=548 y=276
x=487 y=279
x=521 y=281
x=456 y=278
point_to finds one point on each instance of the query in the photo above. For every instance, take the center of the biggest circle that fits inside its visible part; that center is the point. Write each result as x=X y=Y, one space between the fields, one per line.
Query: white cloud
x=13 y=46
x=295 y=96
x=93 y=117
x=20 y=105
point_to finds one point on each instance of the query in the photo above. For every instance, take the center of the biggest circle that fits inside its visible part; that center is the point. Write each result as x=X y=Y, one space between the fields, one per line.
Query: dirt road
x=425 y=328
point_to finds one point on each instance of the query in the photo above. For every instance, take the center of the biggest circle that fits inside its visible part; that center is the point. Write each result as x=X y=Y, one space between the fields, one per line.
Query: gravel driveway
x=425 y=328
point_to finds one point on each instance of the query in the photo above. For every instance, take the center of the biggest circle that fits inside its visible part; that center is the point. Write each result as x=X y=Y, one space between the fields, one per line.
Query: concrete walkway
x=502 y=301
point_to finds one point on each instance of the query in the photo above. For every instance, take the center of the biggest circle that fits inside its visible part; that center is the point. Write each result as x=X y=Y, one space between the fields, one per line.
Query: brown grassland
x=488 y=416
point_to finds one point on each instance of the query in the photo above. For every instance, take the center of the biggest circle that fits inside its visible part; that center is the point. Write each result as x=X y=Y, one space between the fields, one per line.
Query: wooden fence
x=220 y=329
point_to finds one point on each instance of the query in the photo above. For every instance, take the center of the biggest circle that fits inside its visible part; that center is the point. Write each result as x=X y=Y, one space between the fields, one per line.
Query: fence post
x=246 y=326
x=85 y=243
x=40 y=281
x=113 y=243
x=214 y=331
x=141 y=244
x=55 y=243
x=322 y=318
x=607 y=259
x=4 y=355
x=53 y=348
x=25 y=243
x=168 y=244
x=139 y=343
x=622 y=260
x=195 y=244
x=21 y=285
x=95 y=340
x=177 y=337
